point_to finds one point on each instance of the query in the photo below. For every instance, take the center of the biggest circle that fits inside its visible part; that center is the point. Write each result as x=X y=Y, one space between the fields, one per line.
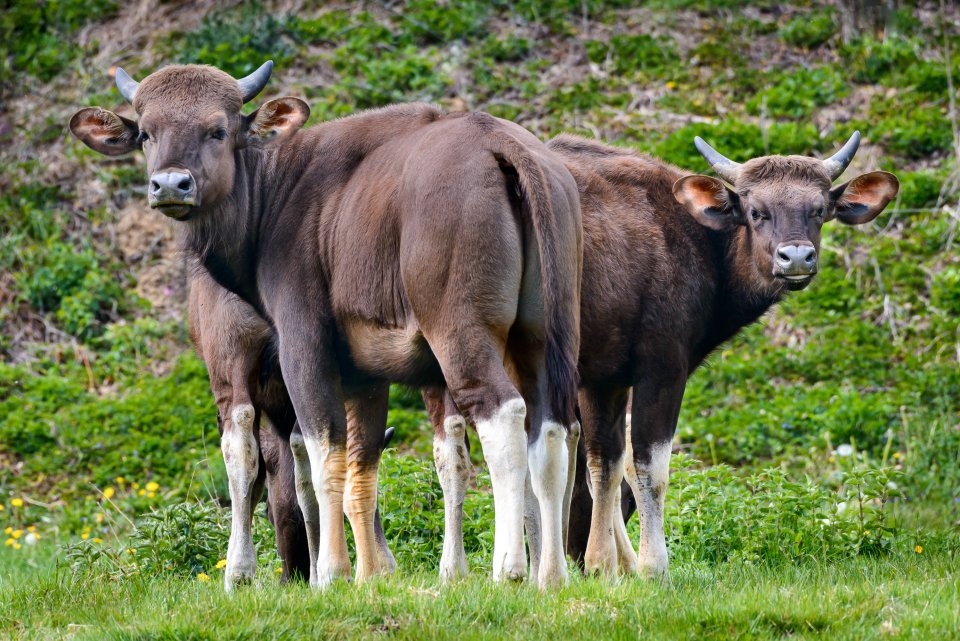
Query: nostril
x=185 y=185
x=811 y=258
x=784 y=256
x=154 y=186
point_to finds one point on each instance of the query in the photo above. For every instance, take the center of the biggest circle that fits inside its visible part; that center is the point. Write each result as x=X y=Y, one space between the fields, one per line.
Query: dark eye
x=143 y=137
x=819 y=212
x=758 y=215
x=219 y=134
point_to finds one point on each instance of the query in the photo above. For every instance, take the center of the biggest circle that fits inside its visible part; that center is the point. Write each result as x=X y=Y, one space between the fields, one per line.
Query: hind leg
x=306 y=498
x=366 y=421
x=387 y=560
x=452 y=461
x=481 y=389
x=284 y=512
x=547 y=458
x=602 y=410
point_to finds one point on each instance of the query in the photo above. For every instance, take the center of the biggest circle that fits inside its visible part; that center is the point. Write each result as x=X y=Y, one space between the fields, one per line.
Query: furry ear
x=276 y=118
x=863 y=198
x=105 y=131
x=712 y=203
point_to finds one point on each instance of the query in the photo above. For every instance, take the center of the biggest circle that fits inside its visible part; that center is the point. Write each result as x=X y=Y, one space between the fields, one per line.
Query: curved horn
x=725 y=168
x=253 y=84
x=126 y=85
x=837 y=163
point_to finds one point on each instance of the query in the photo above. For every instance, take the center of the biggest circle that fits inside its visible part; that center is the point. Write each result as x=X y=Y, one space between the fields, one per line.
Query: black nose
x=172 y=187
x=796 y=259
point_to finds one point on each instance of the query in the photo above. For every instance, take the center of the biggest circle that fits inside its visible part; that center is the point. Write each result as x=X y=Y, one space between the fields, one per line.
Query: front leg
x=241 y=454
x=313 y=382
x=656 y=407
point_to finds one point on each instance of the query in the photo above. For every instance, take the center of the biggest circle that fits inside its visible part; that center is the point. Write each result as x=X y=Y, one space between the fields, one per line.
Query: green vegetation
x=818 y=491
x=38 y=37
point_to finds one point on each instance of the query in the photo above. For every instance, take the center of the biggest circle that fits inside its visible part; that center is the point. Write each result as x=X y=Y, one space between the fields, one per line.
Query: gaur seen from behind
x=399 y=244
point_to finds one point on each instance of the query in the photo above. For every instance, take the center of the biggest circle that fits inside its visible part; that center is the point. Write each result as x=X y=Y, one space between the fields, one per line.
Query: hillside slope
x=96 y=378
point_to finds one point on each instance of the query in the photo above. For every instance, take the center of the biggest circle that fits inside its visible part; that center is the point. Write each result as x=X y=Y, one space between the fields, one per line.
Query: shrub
x=236 y=40
x=810 y=30
x=716 y=516
x=918 y=133
x=798 y=94
x=868 y=60
x=919 y=188
x=640 y=53
x=431 y=21
x=737 y=140
x=40 y=34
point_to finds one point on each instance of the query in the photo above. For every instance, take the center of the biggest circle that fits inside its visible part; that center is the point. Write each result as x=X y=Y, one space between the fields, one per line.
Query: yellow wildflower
x=16 y=534
x=1 y=507
x=100 y=517
x=153 y=486
x=203 y=576
x=8 y=530
x=108 y=492
x=97 y=539
x=16 y=502
x=671 y=85
x=120 y=480
x=9 y=542
x=17 y=546
x=85 y=536
x=150 y=495
x=135 y=485
x=131 y=551
x=918 y=549
x=279 y=570
x=32 y=528
x=142 y=493
x=222 y=563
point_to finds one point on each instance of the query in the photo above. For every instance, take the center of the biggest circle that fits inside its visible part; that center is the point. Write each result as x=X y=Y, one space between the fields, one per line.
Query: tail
x=553 y=207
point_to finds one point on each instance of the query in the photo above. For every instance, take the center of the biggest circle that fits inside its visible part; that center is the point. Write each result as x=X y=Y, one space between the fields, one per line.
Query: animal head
x=782 y=202
x=189 y=126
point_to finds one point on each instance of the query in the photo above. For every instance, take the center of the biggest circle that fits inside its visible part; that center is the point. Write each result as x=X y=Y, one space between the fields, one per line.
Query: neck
x=743 y=294
x=224 y=237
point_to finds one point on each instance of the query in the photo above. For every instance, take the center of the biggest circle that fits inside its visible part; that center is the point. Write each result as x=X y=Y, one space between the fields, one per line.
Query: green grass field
x=903 y=596
x=815 y=488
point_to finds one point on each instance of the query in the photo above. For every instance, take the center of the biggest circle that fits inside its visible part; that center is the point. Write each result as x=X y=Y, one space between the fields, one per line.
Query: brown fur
x=231 y=339
x=663 y=286
x=399 y=244
x=236 y=345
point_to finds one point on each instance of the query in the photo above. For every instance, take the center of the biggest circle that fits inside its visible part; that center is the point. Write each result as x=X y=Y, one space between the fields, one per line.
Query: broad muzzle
x=172 y=192
x=796 y=264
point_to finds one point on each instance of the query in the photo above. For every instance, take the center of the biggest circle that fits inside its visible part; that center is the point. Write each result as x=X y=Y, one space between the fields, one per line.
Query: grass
x=908 y=596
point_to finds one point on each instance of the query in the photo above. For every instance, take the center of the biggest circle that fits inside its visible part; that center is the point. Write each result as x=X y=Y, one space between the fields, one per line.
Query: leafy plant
x=714 y=515
x=37 y=35
x=635 y=53
x=810 y=30
x=799 y=93
x=435 y=22
x=236 y=40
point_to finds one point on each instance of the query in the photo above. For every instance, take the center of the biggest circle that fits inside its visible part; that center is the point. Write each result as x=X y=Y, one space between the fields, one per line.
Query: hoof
x=231 y=581
x=553 y=580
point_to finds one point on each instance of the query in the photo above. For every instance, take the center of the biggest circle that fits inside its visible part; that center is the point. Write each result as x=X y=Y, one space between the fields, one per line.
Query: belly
x=395 y=354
